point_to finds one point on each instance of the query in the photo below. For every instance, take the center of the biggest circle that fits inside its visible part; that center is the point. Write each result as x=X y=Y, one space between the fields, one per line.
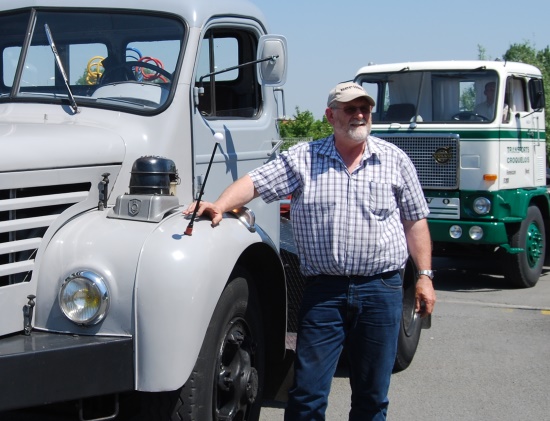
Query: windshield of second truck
x=466 y=96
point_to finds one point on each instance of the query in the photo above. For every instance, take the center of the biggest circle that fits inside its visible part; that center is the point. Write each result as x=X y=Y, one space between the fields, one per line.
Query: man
x=357 y=210
x=487 y=107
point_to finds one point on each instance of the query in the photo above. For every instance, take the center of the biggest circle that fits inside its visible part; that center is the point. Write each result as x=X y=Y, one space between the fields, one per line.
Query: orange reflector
x=489 y=177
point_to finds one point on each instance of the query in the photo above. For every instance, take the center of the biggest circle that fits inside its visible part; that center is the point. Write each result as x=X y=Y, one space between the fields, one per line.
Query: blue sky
x=329 y=41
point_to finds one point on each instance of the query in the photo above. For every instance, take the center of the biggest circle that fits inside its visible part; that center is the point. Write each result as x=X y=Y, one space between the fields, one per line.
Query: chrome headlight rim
x=482 y=205
x=78 y=290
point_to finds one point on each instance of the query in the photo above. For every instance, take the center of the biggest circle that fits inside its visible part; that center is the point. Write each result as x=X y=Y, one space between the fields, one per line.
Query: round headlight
x=482 y=206
x=84 y=298
x=455 y=231
x=476 y=233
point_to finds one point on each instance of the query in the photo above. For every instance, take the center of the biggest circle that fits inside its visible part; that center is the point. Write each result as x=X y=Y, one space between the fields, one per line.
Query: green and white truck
x=475 y=131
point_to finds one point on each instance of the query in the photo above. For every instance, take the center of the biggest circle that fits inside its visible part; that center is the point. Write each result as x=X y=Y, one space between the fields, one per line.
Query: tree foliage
x=304 y=126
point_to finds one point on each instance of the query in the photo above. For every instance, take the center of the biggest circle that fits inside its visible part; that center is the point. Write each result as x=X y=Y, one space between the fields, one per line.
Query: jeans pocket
x=393 y=282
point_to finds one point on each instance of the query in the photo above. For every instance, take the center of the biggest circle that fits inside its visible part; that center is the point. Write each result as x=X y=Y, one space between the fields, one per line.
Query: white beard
x=359 y=133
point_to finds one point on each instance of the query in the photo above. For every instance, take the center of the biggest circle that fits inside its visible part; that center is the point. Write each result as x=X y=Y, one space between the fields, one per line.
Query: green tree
x=468 y=99
x=482 y=53
x=304 y=127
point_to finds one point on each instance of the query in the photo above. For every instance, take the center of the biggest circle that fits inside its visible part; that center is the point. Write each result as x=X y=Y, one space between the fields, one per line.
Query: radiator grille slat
x=18 y=267
x=27 y=223
x=15 y=246
x=39 y=201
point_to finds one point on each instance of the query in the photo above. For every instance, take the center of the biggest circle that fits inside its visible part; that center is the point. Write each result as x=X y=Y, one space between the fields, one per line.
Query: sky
x=328 y=41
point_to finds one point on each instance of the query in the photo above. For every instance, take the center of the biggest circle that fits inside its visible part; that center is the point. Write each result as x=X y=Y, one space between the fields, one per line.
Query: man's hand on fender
x=207 y=209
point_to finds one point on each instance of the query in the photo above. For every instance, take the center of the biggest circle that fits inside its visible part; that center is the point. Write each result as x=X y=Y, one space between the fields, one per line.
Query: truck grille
x=434 y=156
x=25 y=215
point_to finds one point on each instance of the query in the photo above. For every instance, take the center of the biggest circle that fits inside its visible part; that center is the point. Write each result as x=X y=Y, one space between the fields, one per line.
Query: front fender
x=179 y=281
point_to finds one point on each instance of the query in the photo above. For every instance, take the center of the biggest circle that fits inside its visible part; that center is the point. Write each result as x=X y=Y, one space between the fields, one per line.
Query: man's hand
x=207 y=209
x=236 y=195
x=425 y=296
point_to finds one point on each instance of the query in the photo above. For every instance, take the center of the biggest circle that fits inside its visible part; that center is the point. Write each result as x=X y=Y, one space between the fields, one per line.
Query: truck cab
x=475 y=131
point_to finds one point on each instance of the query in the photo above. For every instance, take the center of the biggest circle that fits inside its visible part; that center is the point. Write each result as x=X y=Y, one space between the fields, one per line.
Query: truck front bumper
x=46 y=367
x=493 y=232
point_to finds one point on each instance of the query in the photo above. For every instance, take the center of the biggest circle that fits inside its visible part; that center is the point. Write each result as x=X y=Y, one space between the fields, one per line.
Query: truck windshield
x=465 y=96
x=110 y=59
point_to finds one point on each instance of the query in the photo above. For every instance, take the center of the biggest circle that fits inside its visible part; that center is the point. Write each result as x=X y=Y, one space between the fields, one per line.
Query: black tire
x=228 y=375
x=227 y=380
x=411 y=323
x=523 y=269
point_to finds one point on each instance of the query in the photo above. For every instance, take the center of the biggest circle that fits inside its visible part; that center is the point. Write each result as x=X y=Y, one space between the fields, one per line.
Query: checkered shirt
x=345 y=224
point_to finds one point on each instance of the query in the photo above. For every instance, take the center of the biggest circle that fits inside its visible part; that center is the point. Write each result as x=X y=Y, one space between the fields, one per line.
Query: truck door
x=235 y=104
x=524 y=154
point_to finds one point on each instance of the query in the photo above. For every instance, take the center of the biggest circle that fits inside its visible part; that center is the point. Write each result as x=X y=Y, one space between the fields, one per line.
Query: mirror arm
x=270 y=58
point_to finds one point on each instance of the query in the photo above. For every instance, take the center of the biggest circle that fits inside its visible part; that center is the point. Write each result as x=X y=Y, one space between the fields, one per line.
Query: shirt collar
x=327 y=148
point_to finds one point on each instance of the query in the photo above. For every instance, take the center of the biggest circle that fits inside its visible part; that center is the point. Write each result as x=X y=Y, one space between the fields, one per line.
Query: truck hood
x=41 y=146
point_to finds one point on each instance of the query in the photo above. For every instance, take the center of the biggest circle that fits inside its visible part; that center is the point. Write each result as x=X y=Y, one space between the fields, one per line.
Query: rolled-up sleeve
x=276 y=179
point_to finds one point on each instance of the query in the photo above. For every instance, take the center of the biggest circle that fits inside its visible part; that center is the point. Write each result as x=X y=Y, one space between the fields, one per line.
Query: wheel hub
x=534 y=245
x=238 y=379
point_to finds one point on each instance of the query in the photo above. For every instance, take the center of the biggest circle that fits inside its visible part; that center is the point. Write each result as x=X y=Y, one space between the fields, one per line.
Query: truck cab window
x=231 y=93
x=515 y=94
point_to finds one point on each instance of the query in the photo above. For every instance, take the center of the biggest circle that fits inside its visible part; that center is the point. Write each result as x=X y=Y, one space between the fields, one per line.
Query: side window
x=227 y=89
x=517 y=97
x=514 y=98
x=372 y=89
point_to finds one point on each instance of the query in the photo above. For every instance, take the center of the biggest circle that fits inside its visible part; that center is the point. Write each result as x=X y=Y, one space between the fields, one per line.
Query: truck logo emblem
x=443 y=155
x=134 y=207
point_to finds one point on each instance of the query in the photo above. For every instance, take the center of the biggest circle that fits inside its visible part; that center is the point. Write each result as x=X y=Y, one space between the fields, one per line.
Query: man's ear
x=329 y=113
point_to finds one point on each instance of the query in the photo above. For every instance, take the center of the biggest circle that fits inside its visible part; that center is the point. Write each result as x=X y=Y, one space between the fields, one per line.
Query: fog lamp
x=476 y=233
x=455 y=231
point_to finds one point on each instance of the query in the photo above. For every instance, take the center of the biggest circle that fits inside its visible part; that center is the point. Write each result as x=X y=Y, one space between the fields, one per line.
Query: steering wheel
x=469 y=116
x=126 y=72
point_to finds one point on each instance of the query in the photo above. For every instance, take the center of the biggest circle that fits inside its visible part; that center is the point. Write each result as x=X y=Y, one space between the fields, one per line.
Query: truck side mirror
x=272 y=72
x=536 y=94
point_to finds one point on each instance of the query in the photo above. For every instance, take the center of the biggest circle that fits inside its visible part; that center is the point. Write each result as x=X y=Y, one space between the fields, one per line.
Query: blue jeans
x=362 y=313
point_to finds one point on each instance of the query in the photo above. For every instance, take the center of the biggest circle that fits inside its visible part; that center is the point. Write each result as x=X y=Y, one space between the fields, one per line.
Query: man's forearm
x=419 y=243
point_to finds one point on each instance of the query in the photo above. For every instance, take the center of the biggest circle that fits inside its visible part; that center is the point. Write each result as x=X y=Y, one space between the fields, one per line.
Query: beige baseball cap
x=347 y=91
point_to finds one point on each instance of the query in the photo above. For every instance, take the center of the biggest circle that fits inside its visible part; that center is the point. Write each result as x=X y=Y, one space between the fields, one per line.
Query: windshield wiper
x=60 y=67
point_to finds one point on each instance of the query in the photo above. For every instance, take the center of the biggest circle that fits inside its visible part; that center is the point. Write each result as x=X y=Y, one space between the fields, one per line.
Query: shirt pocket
x=381 y=200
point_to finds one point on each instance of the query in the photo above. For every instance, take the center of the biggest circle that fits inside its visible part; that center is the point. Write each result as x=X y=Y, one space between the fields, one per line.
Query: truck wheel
x=227 y=380
x=411 y=323
x=523 y=269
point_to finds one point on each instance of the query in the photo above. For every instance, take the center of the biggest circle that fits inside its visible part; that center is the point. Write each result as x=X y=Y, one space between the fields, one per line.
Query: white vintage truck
x=114 y=117
x=475 y=131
